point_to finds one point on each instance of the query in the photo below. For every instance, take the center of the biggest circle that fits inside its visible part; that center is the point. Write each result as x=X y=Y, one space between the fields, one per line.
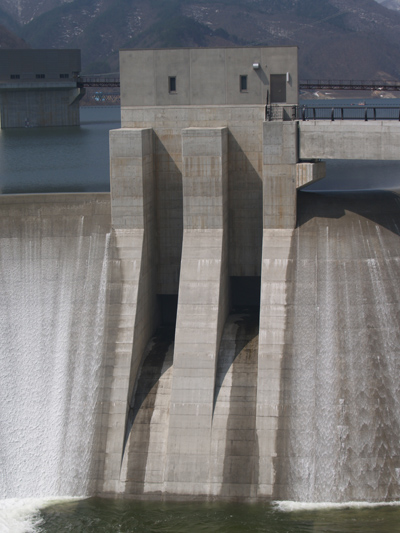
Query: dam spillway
x=338 y=420
x=341 y=386
x=53 y=279
x=227 y=325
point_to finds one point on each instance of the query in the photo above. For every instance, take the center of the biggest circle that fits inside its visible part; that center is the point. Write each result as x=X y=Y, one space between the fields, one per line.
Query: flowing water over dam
x=53 y=276
x=341 y=387
x=340 y=394
x=339 y=401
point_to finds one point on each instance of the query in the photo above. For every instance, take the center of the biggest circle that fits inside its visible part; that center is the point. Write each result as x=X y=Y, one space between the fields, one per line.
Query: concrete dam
x=206 y=330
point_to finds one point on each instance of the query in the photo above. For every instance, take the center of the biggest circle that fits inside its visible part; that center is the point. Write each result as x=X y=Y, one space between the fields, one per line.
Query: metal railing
x=96 y=81
x=356 y=112
x=351 y=85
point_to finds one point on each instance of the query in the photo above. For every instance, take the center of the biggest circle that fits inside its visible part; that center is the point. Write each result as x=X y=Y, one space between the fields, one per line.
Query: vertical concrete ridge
x=280 y=155
x=202 y=310
x=273 y=344
x=149 y=417
x=132 y=299
x=234 y=445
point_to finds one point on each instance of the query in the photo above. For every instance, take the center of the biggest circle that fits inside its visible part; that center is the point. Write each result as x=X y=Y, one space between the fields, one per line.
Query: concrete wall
x=375 y=140
x=244 y=188
x=209 y=76
x=40 y=107
x=203 y=304
x=132 y=314
x=211 y=176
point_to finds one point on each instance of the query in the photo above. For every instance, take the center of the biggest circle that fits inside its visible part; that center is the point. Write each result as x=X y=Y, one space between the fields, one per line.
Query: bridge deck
x=373 y=140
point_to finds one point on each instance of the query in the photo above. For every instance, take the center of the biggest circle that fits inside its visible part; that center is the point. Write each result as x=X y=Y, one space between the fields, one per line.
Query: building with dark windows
x=39 y=88
x=203 y=200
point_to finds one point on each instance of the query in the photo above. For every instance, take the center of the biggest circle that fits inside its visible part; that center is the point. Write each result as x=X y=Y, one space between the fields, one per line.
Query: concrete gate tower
x=203 y=191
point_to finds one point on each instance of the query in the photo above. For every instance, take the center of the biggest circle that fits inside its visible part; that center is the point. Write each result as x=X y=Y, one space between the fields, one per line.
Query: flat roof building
x=209 y=76
x=30 y=65
x=39 y=88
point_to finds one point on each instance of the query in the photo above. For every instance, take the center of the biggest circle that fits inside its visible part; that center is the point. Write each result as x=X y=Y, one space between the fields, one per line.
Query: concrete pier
x=202 y=309
x=132 y=296
x=203 y=202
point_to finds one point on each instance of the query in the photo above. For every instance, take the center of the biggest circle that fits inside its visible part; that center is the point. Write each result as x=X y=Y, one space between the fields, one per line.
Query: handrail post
x=366 y=115
x=313 y=112
x=333 y=115
x=341 y=113
x=374 y=113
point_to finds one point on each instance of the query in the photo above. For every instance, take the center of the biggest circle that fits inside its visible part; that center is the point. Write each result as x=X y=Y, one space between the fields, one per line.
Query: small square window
x=40 y=76
x=64 y=76
x=14 y=76
x=172 y=84
x=243 y=84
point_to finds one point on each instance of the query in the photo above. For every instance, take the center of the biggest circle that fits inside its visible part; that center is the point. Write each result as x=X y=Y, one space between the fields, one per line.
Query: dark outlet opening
x=245 y=292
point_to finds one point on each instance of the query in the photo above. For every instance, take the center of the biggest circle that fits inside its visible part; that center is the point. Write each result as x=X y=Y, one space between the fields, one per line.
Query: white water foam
x=52 y=306
x=22 y=516
x=288 y=506
x=344 y=395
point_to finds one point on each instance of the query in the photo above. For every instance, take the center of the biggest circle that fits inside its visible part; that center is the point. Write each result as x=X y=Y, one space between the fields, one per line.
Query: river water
x=77 y=159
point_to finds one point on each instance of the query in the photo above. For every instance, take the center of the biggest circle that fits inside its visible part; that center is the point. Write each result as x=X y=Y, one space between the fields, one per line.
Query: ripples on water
x=109 y=516
x=63 y=159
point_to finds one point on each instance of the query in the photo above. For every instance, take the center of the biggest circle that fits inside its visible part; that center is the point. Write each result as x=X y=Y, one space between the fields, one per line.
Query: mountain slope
x=336 y=38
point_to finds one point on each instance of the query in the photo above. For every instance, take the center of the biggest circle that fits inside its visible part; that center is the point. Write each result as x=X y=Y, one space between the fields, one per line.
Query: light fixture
x=287 y=77
x=256 y=66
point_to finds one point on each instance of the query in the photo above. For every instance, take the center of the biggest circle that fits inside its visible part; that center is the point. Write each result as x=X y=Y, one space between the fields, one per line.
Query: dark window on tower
x=40 y=76
x=243 y=84
x=172 y=84
x=64 y=76
x=14 y=76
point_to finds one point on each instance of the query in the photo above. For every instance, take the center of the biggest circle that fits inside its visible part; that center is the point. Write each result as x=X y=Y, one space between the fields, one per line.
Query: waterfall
x=343 y=391
x=53 y=276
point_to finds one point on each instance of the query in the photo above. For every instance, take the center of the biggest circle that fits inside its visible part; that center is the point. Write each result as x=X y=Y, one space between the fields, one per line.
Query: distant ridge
x=336 y=38
x=9 y=40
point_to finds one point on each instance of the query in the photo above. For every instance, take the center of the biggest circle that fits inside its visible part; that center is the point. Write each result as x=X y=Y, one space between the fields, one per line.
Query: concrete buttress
x=279 y=208
x=131 y=293
x=202 y=309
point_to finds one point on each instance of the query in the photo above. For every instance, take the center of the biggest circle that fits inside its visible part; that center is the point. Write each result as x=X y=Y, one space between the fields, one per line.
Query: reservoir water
x=76 y=159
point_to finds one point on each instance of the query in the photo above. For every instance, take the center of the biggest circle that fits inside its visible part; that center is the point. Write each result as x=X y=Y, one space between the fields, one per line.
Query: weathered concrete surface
x=202 y=309
x=307 y=172
x=132 y=297
x=346 y=139
x=245 y=181
x=234 y=442
x=280 y=155
x=274 y=341
x=35 y=107
x=148 y=419
x=205 y=76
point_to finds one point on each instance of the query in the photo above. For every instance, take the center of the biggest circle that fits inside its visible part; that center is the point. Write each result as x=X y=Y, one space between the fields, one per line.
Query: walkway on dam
x=338 y=85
